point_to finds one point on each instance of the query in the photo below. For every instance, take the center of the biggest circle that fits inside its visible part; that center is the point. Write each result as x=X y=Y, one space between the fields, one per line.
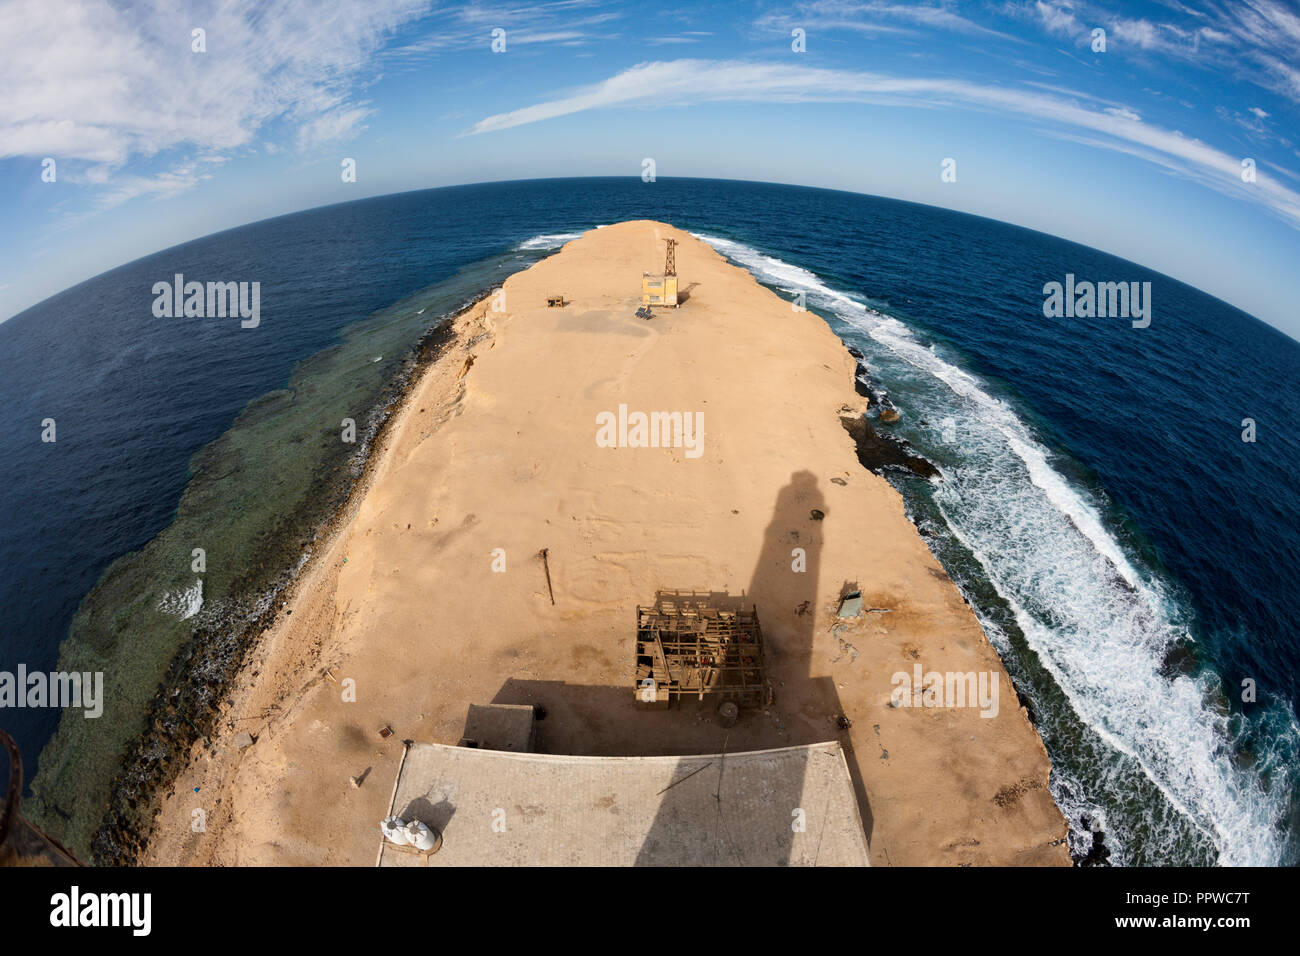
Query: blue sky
x=1136 y=150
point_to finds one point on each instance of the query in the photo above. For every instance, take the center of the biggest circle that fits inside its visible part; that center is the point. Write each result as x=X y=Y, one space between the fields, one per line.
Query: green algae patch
x=168 y=626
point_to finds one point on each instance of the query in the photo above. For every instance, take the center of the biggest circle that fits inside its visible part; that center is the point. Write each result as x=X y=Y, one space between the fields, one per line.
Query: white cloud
x=685 y=82
x=332 y=126
x=106 y=85
x=1124 y=113
x=120 y=188
x=866 y=16
x=1257 y=41
x=1139 y=33
x=461 y=27
x=1252 y=121
x=1059 y=19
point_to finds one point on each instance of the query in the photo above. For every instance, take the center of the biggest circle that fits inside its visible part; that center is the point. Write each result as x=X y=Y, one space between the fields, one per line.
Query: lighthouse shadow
x=713 y=819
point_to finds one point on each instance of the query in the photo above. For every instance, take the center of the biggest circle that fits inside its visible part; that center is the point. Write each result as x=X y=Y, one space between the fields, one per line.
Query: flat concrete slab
x=790 y=806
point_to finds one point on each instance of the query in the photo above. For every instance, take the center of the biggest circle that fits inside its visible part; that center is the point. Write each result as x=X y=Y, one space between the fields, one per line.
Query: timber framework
x=693 y=643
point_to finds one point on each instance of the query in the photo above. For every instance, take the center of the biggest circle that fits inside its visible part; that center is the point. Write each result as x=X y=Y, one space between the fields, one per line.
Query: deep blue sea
x=1131 y=557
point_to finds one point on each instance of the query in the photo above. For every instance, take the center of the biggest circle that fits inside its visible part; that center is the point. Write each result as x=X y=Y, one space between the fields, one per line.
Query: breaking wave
x=1099 y=621
x=185 y=603
x=551 y=240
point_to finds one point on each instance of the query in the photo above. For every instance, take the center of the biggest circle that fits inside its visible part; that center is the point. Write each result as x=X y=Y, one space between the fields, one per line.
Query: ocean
x=1133 y=560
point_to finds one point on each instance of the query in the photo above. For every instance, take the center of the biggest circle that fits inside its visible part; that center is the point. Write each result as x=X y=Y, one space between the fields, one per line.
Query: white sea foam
x=1099 y=625
x=184 y=603
x=550 y=240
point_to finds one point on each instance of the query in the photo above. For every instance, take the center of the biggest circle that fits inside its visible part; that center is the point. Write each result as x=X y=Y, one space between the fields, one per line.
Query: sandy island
x=495 y=448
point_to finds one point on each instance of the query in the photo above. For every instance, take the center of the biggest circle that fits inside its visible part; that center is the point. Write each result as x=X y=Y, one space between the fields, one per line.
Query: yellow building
x=658 y=290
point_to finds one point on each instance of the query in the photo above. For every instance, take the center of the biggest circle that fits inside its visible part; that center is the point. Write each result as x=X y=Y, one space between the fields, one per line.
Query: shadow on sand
x=605 y=721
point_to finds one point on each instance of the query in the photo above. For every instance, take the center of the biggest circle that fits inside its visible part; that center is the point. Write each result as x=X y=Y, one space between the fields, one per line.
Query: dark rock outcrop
x=877 y=452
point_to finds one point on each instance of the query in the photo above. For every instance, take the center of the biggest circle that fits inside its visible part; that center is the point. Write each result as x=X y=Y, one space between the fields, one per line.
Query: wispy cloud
x=1058 y=18
x=98 y=86
x=1108 y=126
x=690 y=36
x=1257 y=41
x=458 y=27
x=873 y=17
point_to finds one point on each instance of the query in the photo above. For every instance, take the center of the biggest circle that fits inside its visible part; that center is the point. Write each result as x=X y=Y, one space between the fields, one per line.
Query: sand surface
x=496 y=449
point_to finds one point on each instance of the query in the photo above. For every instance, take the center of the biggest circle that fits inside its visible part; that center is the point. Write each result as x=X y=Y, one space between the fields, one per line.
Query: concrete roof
x=520 y=809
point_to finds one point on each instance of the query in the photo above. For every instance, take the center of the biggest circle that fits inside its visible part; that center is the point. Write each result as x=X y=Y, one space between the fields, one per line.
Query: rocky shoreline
x=190 y=707
x=184 y=709
x=500 y=459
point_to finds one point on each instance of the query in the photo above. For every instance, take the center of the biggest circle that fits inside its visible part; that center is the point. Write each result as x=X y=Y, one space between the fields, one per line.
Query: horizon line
x=635 y=178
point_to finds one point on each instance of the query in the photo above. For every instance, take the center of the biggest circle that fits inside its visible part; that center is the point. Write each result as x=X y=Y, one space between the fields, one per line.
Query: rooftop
x=790 y=806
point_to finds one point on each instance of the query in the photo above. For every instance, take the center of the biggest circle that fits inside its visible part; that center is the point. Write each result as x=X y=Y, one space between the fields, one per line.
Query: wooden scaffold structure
x=692 y=643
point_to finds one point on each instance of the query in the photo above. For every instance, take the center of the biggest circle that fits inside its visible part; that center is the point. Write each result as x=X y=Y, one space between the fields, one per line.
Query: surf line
x=651 y=430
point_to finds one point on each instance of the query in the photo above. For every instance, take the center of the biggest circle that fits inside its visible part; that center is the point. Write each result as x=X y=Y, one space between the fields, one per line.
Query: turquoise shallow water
x=1130 y=556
